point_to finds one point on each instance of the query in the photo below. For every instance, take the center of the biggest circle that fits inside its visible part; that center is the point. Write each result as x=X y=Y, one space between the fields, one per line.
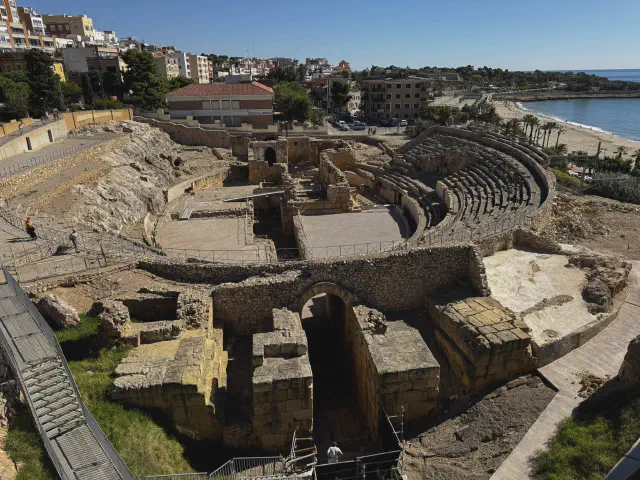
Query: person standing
x=334 y=453
x=74 y=239
x=21 y=127
x=31 y=230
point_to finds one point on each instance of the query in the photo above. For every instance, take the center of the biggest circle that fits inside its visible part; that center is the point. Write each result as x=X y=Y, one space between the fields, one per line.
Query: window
x=53 y=28
x=397 y=106
x=235 y=104
x=416 y=105
x=398 y=85
x=397 y=95
x=406 y=115
x=388 y=96
x=407 y=95
x=226 y=105
x=206 y=104
x=406 y=105
x=215 y=104
x=417 y=95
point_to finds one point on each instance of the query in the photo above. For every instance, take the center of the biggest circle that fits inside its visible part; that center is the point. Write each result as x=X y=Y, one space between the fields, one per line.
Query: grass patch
x=145 y=446
x=569 y=181
x=588 y=444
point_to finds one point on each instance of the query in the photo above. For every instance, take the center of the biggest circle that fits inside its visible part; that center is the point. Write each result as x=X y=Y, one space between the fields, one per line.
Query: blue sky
x=518 y=35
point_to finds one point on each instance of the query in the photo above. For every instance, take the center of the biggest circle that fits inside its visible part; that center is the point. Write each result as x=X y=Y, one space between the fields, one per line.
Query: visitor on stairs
x=333 y=453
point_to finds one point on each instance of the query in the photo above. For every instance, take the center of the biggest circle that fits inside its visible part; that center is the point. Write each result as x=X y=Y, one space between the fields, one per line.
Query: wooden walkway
x=601 y=356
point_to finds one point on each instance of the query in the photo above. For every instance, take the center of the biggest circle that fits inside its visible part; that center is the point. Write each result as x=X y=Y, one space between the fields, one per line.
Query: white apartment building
x=184 y=64
x=199 y=68
x=167 y=66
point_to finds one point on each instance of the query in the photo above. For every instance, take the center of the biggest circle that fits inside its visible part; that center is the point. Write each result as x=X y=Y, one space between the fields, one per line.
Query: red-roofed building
x=228 y=104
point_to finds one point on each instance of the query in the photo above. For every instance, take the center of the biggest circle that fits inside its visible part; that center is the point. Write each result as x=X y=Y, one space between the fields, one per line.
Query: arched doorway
x=325 y=313
x=270 y=156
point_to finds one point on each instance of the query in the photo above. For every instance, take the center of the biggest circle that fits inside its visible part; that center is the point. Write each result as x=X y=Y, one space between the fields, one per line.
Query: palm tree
x=527 y=120
x=551 y=126
x=544 y=128
x=561 y=129
x=621 y=150
x=534 y=122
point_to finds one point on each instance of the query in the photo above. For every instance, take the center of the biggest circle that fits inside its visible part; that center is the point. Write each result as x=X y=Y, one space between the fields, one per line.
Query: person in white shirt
x=333 y=453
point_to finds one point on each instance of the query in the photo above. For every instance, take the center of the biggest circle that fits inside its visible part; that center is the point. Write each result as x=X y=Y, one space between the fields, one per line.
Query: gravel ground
x=478 y=434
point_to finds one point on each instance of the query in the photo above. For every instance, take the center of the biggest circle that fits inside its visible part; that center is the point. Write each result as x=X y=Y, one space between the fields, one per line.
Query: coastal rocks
x=57 y=311
x=630 y=369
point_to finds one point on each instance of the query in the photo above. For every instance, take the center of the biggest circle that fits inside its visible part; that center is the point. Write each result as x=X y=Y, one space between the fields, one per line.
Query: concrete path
x=602 y=356
x=12 y=136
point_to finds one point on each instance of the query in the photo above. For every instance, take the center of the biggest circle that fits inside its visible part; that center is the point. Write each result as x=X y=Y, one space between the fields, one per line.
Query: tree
x=87 y=89
x=636 y=156
x=301 y=72
x=551 y=126
x=292 y=101
x=179 y=82
x=317 y=116
x=71 y=92
x=145 y=87
x=282 y=75
x=621 y=150
x=561 y=129
x=534 y=122
x=43 y=81
x=340 y=94
x=345 y=73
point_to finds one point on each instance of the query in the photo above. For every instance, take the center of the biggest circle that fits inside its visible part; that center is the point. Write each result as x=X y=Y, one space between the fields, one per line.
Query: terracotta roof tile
x=210 y=89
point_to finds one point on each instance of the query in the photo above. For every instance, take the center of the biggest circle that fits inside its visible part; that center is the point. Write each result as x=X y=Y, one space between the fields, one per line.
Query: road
x=379 y=131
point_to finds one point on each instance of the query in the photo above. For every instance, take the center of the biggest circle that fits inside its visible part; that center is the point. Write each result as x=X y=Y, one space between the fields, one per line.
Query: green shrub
x=107 y=104
x=625 y=188
x=568 y=181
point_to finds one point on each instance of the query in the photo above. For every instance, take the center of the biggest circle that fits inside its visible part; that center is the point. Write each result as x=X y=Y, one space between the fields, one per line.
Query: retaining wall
x=35 y=139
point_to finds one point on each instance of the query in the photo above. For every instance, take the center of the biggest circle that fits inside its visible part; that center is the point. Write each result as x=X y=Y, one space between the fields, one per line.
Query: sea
x=618 y=116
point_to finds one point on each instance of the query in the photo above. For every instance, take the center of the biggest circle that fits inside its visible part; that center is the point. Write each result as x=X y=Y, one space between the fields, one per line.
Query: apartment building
x=167 y=66
x=199 y=68
x=184 y=63
x=15 y=36
x=9 y=10
x=31 y=20
x=395 y=98
x=11 y=61
x=60 y=25
x=86 y=59
x=227 y=104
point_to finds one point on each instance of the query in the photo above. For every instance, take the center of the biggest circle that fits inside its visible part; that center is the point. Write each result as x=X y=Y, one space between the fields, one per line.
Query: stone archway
x=270 y=156
x=327 y=314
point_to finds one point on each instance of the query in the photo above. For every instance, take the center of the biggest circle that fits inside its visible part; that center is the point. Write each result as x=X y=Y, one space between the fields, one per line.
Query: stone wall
x=186 y=135
x=393 y=367
x=484 y=343
x=282 y=383
x=391 y=282
x=334 y=180
x=33 y=140
x=305 y=249
x=195 y=184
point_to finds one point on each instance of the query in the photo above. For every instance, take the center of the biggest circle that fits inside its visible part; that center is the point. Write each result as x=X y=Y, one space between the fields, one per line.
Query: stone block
x=293 y=405
x=306 y=414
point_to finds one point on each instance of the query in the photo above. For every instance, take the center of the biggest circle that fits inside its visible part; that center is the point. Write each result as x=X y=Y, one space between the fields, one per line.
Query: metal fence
x=47 y=157
x=249 y=467
x=176 y=476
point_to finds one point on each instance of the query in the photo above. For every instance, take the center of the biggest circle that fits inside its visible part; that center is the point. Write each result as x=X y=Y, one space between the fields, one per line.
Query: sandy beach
x=576 y=138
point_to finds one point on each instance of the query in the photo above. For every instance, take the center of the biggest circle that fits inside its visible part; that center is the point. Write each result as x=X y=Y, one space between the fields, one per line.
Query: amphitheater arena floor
x=371 y=226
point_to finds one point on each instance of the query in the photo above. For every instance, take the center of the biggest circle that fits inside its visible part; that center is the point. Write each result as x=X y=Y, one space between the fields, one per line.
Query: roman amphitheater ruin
x=298 y=291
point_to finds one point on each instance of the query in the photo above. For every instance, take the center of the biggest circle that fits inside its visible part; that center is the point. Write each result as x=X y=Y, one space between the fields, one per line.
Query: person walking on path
x=31 y=230
x=334 y=453
x=21 y=127
x=74 y=239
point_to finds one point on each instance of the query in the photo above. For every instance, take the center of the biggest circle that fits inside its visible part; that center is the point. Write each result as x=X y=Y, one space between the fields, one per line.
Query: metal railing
x=249 y=467
x=40 y=159
x=176 y=476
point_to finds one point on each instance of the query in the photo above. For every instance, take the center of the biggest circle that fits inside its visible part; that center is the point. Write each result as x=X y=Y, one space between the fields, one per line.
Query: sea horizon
x=613 y=74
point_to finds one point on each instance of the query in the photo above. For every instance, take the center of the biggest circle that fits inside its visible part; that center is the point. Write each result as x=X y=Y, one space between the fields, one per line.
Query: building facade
x=11 y=61
x=184 y=64
x=400 y=99
x=167 y=66
x=31 y=20
x=15 y=36
x=60 y=25
x=199 y=68
x=227 y=104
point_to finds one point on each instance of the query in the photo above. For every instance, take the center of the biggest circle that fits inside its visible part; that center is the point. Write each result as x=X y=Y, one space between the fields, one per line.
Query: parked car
x=358 y=126
x=344 y=127
x=403 y=123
